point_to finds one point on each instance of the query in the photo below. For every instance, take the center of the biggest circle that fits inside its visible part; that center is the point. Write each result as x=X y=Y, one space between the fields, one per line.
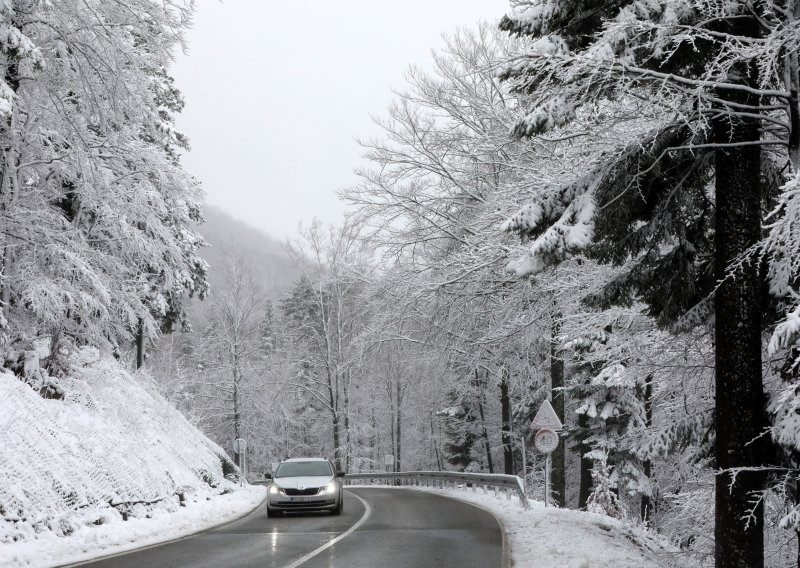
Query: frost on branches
x=782 y=249
x=98 y=238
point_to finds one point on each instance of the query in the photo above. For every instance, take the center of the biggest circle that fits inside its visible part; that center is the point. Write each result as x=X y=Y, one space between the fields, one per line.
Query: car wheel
x=273 y=512
x=339 y=508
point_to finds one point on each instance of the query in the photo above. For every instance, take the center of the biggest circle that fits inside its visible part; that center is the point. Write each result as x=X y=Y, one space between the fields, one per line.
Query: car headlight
x=330 y=488
x=275 y=490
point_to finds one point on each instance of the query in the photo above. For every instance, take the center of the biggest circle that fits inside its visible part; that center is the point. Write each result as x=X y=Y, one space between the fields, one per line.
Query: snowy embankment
x=99 y=463
x=546 y=537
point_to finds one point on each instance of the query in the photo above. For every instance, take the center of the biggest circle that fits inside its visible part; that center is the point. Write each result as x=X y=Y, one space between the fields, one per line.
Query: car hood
x=303 y=482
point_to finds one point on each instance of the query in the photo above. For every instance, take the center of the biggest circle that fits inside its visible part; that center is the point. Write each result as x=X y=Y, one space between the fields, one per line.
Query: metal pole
x=546 y=479
x=244 y=466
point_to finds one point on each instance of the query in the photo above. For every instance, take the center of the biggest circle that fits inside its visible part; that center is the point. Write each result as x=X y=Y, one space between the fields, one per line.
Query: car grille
x=306 y=491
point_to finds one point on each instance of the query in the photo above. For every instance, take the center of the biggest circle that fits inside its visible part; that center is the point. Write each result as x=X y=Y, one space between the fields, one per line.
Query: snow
x=91 y=541
x=547 y=537
x=98 y=461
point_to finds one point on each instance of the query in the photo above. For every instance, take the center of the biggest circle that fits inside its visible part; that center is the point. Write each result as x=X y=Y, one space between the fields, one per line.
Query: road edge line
x=367 y=512
x=165 y=542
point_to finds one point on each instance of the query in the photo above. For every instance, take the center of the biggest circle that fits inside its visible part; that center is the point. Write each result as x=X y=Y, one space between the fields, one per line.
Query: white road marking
x=327 y=545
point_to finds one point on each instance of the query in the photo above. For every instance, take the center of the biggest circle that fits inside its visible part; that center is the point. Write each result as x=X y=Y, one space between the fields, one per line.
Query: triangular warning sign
x=546 y=418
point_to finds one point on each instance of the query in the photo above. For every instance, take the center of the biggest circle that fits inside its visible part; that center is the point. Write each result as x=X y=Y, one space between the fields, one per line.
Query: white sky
x=277 y=91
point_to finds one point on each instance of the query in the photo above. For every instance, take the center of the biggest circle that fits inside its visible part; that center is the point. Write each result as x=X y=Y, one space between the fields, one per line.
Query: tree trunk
x=792 y=70
x=647 y=503
x=505 y=411
x=11 y=161
x=348 y=443
x=484 y=432
x=434 y=441
x=585 y=488
x=398 y=437
x=140 y=344
x=376 y=440
x=236 y=413
x=740 y=419
x=393 y=421
x=797 y=534
x=337 y=451
x=558 y=478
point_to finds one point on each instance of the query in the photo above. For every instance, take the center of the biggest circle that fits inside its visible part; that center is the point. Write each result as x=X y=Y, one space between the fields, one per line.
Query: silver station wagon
x=305 y=484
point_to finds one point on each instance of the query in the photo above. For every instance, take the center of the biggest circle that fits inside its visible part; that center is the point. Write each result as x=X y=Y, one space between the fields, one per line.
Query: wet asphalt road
x=402 y=529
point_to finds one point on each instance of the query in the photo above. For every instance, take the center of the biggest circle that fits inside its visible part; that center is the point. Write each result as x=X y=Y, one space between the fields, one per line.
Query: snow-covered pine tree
x=603 y=498
x=459 y=431
x=611 y=407
x=709 y=70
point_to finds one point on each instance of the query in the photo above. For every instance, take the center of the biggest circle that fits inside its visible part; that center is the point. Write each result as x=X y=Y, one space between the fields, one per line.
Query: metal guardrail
x=495 y=481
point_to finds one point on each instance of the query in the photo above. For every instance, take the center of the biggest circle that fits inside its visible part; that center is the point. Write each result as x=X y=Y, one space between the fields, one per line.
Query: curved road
x=379 y=528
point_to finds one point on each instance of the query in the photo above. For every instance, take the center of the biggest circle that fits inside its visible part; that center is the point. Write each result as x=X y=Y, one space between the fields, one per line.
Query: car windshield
x=303 y=469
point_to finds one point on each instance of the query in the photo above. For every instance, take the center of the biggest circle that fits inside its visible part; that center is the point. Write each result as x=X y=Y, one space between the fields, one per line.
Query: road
x=379 y=528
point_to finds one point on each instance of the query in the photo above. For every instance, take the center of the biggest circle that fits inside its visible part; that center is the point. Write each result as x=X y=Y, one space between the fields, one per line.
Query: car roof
x=304 y=460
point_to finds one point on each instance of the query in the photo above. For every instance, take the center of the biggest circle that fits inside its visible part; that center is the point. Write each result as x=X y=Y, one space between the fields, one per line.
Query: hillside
x=99 y=448
x=228 y=237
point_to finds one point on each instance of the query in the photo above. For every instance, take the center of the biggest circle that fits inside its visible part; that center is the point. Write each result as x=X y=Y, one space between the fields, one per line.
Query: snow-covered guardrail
x=505 y=483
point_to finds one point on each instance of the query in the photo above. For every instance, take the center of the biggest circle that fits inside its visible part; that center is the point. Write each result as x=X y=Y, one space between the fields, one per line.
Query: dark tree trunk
x=484 y=432
x=740 y=418
x=647 y=502
x=792 y=66
x=392 y=423
x=397 y=464
x=437 y=454
x=237 y=416
x=348 y=442
x=505 y=411
x=585 y=488
x=7 y=264
x=337 y=451
x=140 y=344
x=558 y=475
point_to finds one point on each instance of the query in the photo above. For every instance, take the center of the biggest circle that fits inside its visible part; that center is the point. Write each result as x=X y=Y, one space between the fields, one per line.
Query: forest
x=593 y=203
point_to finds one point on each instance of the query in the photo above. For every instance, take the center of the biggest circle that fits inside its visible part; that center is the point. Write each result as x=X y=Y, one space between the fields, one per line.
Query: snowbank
x=545 y=537
x=106 y=464
x=96 y=541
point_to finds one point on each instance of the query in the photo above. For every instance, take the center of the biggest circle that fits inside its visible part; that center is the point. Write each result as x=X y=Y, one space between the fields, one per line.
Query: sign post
x=547 y=425
x=388 y=462
x=240 y=447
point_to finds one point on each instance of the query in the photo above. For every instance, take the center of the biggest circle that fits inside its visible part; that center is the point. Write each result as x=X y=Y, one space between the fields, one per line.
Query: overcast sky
x=277 y=91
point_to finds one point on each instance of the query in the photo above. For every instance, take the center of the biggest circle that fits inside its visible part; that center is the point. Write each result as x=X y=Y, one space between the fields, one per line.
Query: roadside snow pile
x=88 y=452
x=93 y=542
x=546 y=537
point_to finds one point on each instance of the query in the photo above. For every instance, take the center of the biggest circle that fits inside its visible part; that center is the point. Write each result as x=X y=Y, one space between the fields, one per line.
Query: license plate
x=302 y=499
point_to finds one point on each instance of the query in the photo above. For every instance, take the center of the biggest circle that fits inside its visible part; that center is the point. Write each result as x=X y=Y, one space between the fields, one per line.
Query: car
x=305 y=484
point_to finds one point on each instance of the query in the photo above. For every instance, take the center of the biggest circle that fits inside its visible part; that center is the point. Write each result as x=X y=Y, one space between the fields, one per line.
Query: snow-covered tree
x=699 y=85
x=98 y=239
x=325 y=314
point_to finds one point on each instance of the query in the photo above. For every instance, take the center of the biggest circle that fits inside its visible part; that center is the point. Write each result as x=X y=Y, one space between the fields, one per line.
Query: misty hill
x=229 y=237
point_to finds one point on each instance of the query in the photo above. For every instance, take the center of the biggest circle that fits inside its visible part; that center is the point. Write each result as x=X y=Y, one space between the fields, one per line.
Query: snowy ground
x=560 y=538
x=98 y=461
x=95 y=541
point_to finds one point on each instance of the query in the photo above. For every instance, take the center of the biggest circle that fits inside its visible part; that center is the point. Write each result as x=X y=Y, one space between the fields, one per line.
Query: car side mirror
x=267 y=475
x=339 y=474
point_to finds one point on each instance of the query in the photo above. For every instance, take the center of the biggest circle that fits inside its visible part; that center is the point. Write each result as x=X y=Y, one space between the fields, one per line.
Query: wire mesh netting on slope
x=111 y=449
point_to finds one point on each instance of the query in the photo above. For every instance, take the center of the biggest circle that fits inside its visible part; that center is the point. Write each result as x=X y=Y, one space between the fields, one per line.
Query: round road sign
x=546 y=441
x=239 y=445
